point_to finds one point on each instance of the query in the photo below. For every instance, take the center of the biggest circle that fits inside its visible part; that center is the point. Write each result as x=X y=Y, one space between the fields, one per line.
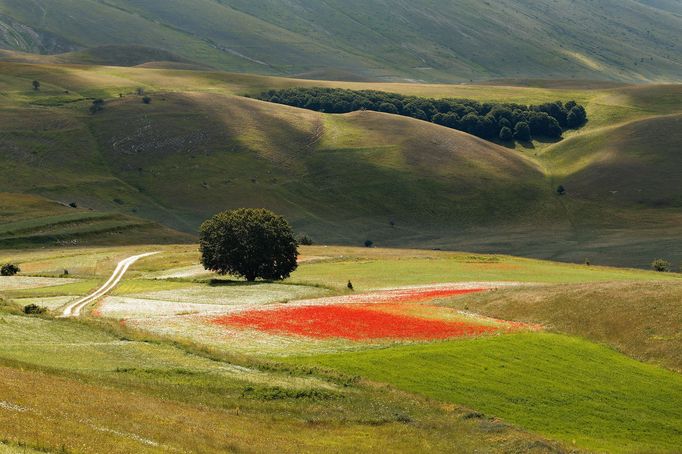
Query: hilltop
x=429 y=40
x=201 y=146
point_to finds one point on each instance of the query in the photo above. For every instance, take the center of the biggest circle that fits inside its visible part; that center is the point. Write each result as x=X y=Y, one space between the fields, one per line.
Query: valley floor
x=433 y=350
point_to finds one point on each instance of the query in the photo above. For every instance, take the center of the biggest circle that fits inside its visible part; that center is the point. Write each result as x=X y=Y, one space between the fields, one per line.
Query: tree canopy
x=485 y=120
x=252 y=243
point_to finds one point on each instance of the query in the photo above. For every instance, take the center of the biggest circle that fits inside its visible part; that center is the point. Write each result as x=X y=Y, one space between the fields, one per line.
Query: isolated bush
x=369 y=243
x=9 y=269
x=32 y=309
x=253 y=243
x=561 y=190
x=36 y=85
x=97 y=106
x=660 y=265
x=305 y=240
x=73 y=205
x=147 y=100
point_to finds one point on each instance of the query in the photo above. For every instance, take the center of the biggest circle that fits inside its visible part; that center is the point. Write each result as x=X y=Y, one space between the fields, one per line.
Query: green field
x=561 y=387
x=242 y=391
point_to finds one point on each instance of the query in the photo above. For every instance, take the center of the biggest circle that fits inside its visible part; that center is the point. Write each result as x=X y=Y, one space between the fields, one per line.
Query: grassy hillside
x=431 y=40
x=559 y=386
x=349 y=178
x=30 y=221
x=639 y=319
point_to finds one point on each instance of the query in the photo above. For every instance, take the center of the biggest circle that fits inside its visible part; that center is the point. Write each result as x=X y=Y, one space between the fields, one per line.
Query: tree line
x=490 y=121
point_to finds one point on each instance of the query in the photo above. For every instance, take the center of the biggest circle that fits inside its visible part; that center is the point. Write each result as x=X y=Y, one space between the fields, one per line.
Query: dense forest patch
x=490 y=121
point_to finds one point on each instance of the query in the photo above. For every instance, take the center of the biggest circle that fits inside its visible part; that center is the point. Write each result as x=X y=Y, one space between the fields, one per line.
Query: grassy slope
x=640 y=319
x=29 y=221
x=433 y=40
x=343 y=178
x=162 y=397
x=562 y=387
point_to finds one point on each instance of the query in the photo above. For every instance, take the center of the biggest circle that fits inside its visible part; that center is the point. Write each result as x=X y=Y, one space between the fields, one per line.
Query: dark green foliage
x=253 y=243
x=369 y=243
x=522 y=131
x=32 y=309
x=561 y=190
x=305 y=240
x=506 y=134
x=485 y=120
x=9 y=269
x=576 y=117
x=660 y=265
x=97 y=106
x=36 y=85
x=147 y=100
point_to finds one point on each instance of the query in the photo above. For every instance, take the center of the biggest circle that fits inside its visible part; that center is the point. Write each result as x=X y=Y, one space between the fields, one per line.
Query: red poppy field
x=394 y=314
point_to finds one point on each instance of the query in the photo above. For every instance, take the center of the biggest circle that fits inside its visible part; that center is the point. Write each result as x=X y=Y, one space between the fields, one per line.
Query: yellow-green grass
x=161 y=362
x=95 y=390
x=559 y=386
x=74 y=419
x=380 y=268
x=640 y=319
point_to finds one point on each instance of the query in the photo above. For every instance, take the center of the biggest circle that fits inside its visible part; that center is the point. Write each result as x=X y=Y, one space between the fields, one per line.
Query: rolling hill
x=429 y=40
x=199 y=147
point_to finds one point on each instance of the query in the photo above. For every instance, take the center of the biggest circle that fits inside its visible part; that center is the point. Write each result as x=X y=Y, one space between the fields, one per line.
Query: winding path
x=74 y=309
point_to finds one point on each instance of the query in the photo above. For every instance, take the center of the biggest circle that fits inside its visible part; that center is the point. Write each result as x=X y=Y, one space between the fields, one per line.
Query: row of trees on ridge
x=490 y=121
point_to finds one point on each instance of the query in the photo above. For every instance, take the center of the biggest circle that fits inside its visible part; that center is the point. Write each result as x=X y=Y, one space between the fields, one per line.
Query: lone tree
x=253 y=243
x=36 y=85
x=9 y=269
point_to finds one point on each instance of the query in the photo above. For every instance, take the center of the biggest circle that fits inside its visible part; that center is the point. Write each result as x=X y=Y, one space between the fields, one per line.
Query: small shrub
x=9 y=269
x=305 y=240
x=660 y=265
x=561 y=190
x=97 y=106
x=147 y=100
x=33 y=309
x=73 y=205
x=369 y=243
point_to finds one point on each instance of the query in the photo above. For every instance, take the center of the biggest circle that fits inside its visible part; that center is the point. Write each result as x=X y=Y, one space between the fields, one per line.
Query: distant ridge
x=389 y=40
